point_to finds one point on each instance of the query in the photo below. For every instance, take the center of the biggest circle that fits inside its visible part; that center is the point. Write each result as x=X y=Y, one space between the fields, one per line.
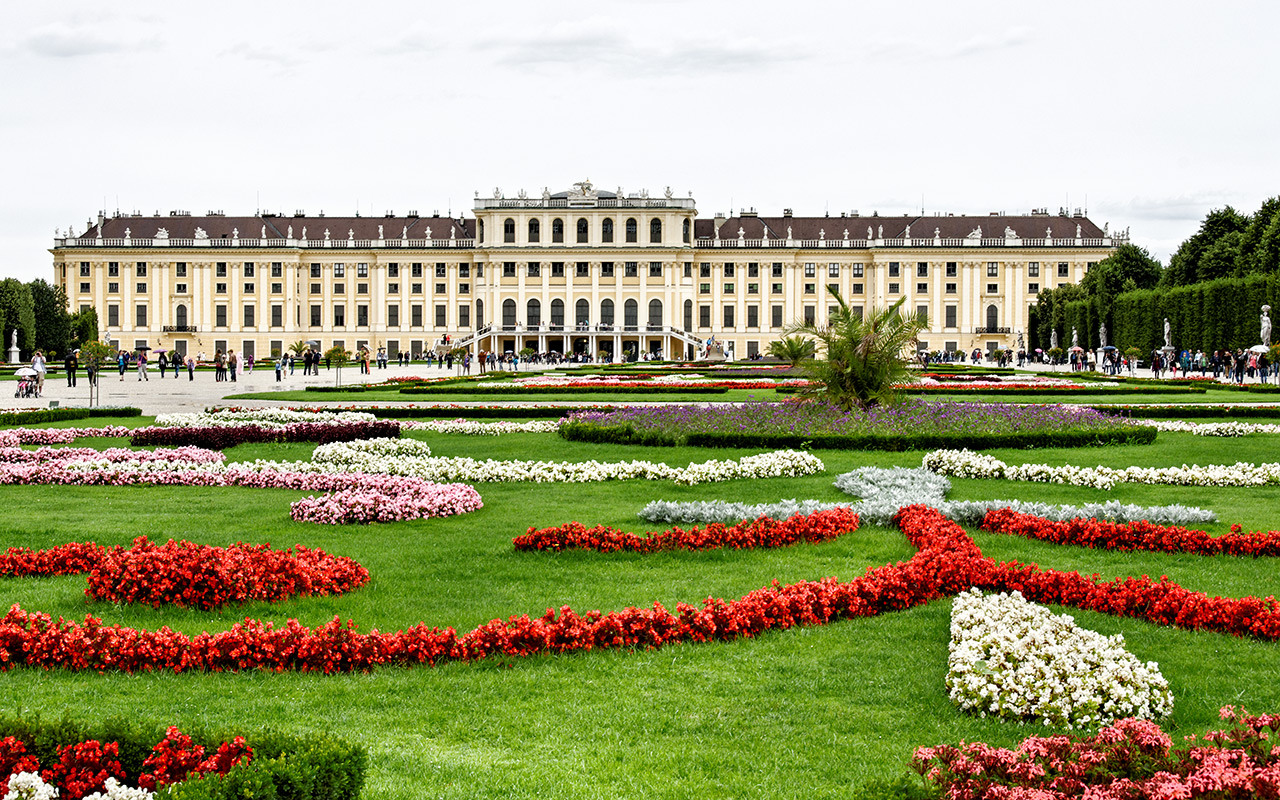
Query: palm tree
x=792 y=349
x=864 y=353
x=298 y=348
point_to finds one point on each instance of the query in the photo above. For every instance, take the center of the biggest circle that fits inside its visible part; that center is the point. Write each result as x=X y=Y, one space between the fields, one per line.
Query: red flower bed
x=820 y=526
x=220 y=438
x=1132 y=535
x=190 y=575
x=1131 y=759
x=947 y=562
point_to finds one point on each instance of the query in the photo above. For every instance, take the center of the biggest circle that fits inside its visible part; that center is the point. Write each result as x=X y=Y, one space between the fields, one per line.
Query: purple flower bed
x=222 y=437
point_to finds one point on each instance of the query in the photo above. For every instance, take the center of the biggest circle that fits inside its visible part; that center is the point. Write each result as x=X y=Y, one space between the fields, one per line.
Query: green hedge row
x=1191 y=412
x=469 y=412
x=39 y=415
x=317 y=767
x=502 y=390
x=353 y=387
x=628 y=434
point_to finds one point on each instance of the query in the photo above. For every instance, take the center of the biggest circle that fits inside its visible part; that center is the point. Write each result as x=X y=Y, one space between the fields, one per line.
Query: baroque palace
x=585 y=270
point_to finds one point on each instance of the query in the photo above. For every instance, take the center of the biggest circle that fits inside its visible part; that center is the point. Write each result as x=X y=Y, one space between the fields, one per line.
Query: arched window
x=606 y=231
x=655 y=231
x=533 y=313
x=479 y=313
x=606 y=312
x=584 y=230
x=631 y=230
x=655 y=312
x=557 y=312
x=480 y=229
x=180 y=316
x=535 y=230
x=993 y=319
x=631 y=313
x=557 y=231
x=581 y=312
x=687 y=231
x=508 y=312
x=688 y=315
x=509 y=231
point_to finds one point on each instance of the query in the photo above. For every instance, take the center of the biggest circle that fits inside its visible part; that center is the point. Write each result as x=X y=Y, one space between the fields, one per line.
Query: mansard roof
x=1030 y=226
x=277 y=227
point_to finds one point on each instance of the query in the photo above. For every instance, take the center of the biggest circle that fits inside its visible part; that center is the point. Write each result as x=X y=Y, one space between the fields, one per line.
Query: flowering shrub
x=1130 y=759
x=176 y=758
x=18 y=436
x=967 y=464
x=403 y=499
x=260 y=418
x=704 y=511
x=1210 y=428
x=14 y=759
x=85 y=767
x=220 y=437
x=29 y=786
x=469 y=427
x=413 y=458
x=1010 y=658
x=820 y=526
x=1139 y=535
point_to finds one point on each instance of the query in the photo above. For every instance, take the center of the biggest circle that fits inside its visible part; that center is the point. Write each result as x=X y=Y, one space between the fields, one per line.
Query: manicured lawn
x=810 y=712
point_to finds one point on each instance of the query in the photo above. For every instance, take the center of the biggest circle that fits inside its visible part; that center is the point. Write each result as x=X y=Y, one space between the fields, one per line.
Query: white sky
x=1155 y=111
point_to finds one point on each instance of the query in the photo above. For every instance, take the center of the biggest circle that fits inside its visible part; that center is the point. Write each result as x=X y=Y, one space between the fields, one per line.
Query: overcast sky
x=1149 y=113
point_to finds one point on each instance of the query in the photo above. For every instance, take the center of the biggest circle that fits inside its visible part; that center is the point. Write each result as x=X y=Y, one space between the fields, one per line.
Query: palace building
x=584 y=270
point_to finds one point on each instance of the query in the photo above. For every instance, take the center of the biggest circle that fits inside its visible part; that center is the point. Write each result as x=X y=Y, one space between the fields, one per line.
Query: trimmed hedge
x=478 y=412
x=1191 y=412
x=628 y=434
x=220 y=438
x=354 y=387
x=317 y=767
x=500 y=390
x=38 y=415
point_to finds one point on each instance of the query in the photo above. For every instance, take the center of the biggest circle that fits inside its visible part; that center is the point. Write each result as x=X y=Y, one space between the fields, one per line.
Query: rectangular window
x=362 y=270
x=464 y=316
x=533 y=269
x=810 y=315
x=557 y=269
x=857 y=270
x=277 y=269
x=776 y=316
x=1033 y=288
x=833 y=270
x=248 y=317
x=606 y=269
x=632 y=270
x=315 y=316
x=339 y=315
x=753 y=270
x=688 y=269
x=393 y=315
x=993 y=269
x=219 y=288
x=951 y=288
x=950 y=313
x=753 y=288
x=704 y=288
x=415 y=316
x=339 y=270
x=393 y=288
x=315 y=270
x=728 y=316
x=922 y=288
x=442 y=288
x=362 y=288
x=775 y=288
x=508 y=269
x=140 y=269
x=440 y=316
x=895 y=288
x=415 y=288
x=810 y=269
x=84 y=269
x=776 y=269
x=1063 y=270
x=248 y=288
x=753 y=316
x=922 y=269
x=464 y=288
x=704 y=316
x=655 y=269
x=582 y=269
x=922 y=313
x=856 y=288
x=728 y=270
x=141 y=288
x=441 y=270
x=993 y=288
x=464 y=270
x=895 y=269
x=220 y=316
x=84 y=287
x=362 y=315
x=180 y=288
x=220 y=269
x=1033 y=269
x=951 y=269
x=704 y=270
x=833 y=288
x=728 y=288
x=277 y=316
x=316 y=288
x=339 y=288
x=753 y=349
x=248 y=269
x=277 y=288
x=113 y=269
x=415 y=270
x=180 y=269
x=811 y=288
x=113 y=316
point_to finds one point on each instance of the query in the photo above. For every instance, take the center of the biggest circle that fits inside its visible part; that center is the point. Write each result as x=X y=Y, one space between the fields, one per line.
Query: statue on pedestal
x=1266 y=326
x=1102 y=334
x=1168 y=335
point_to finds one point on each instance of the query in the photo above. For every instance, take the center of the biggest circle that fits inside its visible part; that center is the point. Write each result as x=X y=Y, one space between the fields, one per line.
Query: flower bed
x=468 y=427
x=189 y=575
x=413 y=458
x=906 y=425
x=1210 y=428
x=1013 y=659
x=259 y=418
x=967 y=464
x=220 y=437
x=1138 y=535
x=20 y=436
x=1130 y=759
x=820 y=526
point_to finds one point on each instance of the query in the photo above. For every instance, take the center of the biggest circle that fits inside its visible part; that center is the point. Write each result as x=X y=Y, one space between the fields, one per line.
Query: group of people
x=1235 y=366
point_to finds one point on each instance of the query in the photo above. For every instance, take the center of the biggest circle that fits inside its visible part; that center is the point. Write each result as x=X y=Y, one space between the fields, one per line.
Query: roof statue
x=290 y=233
x=880 y=232
x=126 y=233
x=264 y=232
x=788 y=233
x=497 y=193
x=235 y=233
x=1010 y=233
x=304 y=232
x=870 y=233
x=907 y=234
x=380 y=232
x=428 y=233
x=404 y=232
x=668 y=193
x=937 y=234
x=522 y=194
x=162 y=233
x=822 y=233
x=584 y=190
x=1106 y=229
x=1077 y=231
x=200 y=234
x=644 y=193
x=764 y=233
x=976 y=233
x=326 y=234
x=351 y=234
x=741 y=233
x=546 y=194
x=846 y=234
x=1048 y=233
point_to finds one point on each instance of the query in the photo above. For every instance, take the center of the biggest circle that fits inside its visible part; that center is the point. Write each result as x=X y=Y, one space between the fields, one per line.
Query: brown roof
x=220 y=227
x=948 y=227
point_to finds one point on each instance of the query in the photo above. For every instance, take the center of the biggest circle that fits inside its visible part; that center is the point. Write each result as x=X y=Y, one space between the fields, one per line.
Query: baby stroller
x=26 y=387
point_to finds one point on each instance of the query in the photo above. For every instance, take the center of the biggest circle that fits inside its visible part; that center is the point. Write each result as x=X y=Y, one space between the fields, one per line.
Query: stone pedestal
x=14 y=356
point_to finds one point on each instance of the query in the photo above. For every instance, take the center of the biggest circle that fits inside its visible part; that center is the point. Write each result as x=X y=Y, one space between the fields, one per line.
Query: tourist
x=163 y=363
x=37 y=363
x=122 y=361
x=233 y=361
x=280 y=368
x=142 y=366
x=69 y=364
x=191 y=368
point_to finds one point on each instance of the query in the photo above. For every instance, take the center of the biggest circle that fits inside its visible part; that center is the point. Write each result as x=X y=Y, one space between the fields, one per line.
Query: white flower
x=29 y=786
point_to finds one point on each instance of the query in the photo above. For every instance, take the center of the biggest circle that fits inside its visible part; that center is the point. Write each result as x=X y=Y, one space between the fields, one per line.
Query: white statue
x=937 y=234
x=264 y=232
x=1053 y=339
x=880 y=232
x=404 y=232
x=1075 y=339
x=1022 y=344
x=788 y=233
x=1266 y=326
x=976 y=233
x=1102 y=334
x=13 y=340
x=200 y=234
x=1010 y=233
x=428 y=233
x=351 y=234
x=668 y=193
x=497 y=193
x=326 y=234
x=907 y=235
x=235 y=233
x=380 y=232
x=741 y=233
x=1077 y=231
x=522 y=194
x=546 y=194
x=870 y=233
x=304 y=232
x=1168 y=335
x=163 y=233
x=1048 y=233
x=822 y=233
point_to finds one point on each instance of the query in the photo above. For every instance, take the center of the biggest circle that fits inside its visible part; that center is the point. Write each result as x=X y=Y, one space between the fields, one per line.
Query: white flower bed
x=468 y=427
x=968 y=464
x=259 y=418
x=413 y=458
x=1017 y=660
x=1232 y=428
x=884 y=491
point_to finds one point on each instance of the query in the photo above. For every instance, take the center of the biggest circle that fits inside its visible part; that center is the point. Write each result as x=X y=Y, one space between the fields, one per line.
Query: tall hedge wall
x=1203 y=316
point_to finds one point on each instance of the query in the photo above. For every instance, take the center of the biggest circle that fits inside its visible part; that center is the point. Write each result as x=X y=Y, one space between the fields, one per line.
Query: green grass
x=515 y=396
x=805 y=713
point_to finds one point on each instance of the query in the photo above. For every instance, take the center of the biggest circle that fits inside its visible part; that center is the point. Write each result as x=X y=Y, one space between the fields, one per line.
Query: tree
x=17 y=312
x=1219 y=260
x=298 y=348
x=1251 y=256
x=1184 y=266
x=94 y=355
x=337 y=356
x=52 y=322
x=792 y=349
x=864 y=358
x=84 y=326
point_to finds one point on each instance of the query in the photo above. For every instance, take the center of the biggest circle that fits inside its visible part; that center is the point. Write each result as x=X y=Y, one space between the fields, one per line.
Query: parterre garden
x=777 y=601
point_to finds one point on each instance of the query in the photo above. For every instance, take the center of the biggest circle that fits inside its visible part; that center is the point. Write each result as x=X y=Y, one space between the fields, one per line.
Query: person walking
x=37 y=363
x=142 y=366
x=122 y=361
x=280 y=368
x=233 y=361
x=69 y=364
x=191 y=368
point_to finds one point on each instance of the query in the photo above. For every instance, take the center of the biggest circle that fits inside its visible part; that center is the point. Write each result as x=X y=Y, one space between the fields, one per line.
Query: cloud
x=269 y=55
x=1175 y=207
x=59 y=40
x=979 y=44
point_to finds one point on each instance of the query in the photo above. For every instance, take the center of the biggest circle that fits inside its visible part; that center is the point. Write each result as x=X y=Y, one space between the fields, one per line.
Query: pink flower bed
x=387 y=498
x=18 y=436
